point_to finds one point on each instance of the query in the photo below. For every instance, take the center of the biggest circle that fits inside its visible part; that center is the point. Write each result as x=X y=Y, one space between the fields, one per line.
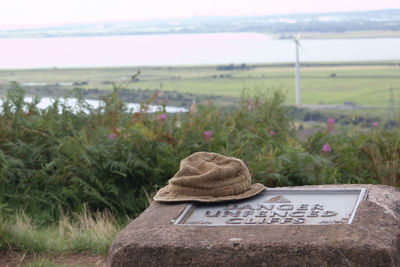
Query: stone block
x=372 y=239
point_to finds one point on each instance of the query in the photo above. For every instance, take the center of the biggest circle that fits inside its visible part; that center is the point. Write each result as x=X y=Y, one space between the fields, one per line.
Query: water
x=185 y=49
x=45 y=102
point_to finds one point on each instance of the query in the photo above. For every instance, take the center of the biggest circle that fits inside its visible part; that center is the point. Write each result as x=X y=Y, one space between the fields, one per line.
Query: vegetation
x=58 y=159
x=83 y=232
x=106 y=163
x=365 y=83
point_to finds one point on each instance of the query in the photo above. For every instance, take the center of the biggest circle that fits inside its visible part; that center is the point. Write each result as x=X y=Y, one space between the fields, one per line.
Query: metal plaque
x=324 y=206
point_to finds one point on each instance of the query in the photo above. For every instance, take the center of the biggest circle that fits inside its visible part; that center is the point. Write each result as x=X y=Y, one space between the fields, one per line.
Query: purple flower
x=331 y=121
x=162 y=117
x=329 y=124
x=113 y=135
x=376 y=124
x=272 y=133
x=326 y=148
x=207 y=135
x=249 y=105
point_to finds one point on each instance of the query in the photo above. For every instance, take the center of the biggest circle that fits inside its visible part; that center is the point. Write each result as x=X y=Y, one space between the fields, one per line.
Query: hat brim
x=164 y=195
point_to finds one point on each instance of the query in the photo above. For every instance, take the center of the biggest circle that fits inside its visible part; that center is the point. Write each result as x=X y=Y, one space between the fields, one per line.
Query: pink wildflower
x=113 y=135
x=162 y=117
x=272 y=133
x=207 y=135
x=249 y=105
x=376 y=124
x=331 y=120
x=330 y=123
x=326 y=148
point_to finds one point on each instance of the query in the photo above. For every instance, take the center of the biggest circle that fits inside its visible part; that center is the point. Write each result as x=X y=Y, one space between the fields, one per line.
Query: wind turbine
x=297 y=43
x=298 y=94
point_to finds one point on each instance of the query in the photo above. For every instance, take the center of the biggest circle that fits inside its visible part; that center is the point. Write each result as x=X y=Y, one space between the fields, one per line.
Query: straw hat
x=209 y=177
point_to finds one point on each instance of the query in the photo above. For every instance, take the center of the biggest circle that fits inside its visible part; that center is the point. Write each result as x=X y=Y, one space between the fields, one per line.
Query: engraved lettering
x=303 y=207
x=297 y=214
x=208 y=214
x=250 y=221
x=285 y=207
x=231 y=207
x=266 y=207
x=332 y=207
x=226 y=213
x=285 y=220
x=261 y=213
x=281 y=214
x=234 y=221
x=328 y=213
x=317 y=207
x=246 y=207
x=248 y=212
x=273 y=220
x=298 y=220
x=313 y=213
x=261 y=221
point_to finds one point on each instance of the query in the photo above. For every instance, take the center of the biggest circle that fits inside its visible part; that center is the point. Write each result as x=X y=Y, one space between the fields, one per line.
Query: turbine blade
x=302 y=49
x=302 y=30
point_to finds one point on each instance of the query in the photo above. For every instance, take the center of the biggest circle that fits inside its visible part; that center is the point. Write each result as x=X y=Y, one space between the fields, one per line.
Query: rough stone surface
x=373 y=239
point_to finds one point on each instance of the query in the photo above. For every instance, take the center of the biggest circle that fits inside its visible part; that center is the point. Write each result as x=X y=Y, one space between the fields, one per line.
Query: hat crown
x=210 y=174
x=209 y=177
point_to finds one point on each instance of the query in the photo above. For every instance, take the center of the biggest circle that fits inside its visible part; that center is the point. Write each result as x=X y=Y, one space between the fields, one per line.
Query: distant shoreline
x=393 y=62
x=340 y=35
x=277 y=36
x=354 y=24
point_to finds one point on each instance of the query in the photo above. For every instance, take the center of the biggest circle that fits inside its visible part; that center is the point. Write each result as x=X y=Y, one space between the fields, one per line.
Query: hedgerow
x=59 y=159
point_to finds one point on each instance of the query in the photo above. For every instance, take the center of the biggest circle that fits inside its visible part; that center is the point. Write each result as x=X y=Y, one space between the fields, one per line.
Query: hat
x=209 y=177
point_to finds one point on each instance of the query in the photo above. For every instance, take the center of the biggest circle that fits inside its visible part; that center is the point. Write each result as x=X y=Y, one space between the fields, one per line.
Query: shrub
x=61 y=158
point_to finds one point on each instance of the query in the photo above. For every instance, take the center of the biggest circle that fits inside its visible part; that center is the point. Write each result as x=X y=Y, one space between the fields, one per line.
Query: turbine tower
x=298 y=94
x=297 y=43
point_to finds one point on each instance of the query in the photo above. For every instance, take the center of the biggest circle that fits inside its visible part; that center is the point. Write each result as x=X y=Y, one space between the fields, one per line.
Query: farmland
x=365 y=83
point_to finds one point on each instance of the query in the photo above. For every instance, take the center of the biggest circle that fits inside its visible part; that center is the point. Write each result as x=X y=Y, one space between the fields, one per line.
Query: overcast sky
x=14 y=13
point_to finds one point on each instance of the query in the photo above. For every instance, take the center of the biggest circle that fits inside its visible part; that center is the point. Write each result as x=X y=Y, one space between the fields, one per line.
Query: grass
x=84 y=232
x=364 y=84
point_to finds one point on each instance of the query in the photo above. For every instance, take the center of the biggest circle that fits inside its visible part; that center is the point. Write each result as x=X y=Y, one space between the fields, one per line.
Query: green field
x=366 y=84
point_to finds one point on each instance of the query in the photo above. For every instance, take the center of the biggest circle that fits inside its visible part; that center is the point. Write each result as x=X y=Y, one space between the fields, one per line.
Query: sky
x=33 y=13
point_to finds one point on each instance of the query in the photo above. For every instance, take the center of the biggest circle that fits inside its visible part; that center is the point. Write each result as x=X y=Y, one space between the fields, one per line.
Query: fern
x=62 y=158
